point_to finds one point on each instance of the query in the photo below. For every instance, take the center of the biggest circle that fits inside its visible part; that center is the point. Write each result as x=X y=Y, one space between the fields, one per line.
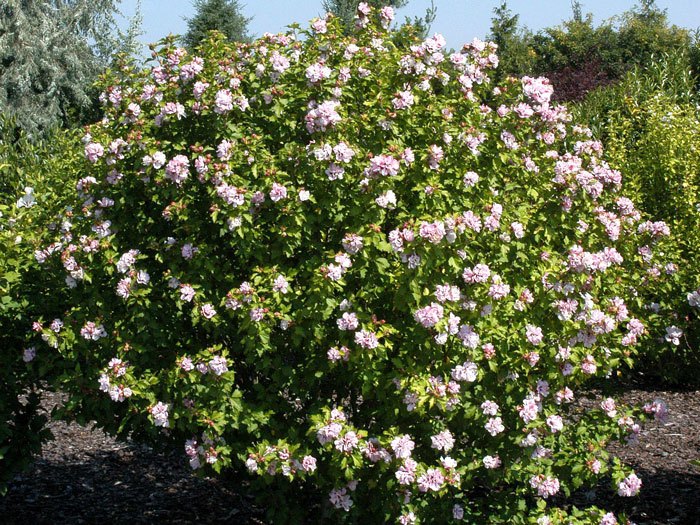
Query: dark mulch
x=662 y=458
x=85 y=477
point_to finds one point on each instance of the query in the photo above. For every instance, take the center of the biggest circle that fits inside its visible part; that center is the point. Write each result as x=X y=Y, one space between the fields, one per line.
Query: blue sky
x=458 y=20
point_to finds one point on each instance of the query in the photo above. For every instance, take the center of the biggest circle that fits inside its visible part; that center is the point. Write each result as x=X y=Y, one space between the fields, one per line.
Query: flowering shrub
x=29 y=193
x=355 y=269
x=651 y=125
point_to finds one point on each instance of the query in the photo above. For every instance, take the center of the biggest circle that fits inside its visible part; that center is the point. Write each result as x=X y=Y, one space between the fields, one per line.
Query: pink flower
x=491 y=462
x=432 y=231
x=92 y=331
x=278 y=192
x=280 y=285
x=94 y=151
x=403 y=100
x=386 y=14
x=384 y=165
x=335 y=354
x=442 y=441
x=436 y=154
x=29 y=354
x=489 y=408
x=160 y=415
x=494 y=426
x=207 y=311
x=608 y=519
x=366 y=339
x=546 y=485
x=533 y=334
x=402 y=446
x=445 y=293
x=673 y=335
x=479 y=274
x=343 y=153
x=347 y=443
x=178 y=169
x=432 y=479
x=124 y=288
x=465 y=372
x=499 y=290
x=659 y=408
x=555 y=423
x=529 y=409
x=406 y=474
x=315 y=73
x=538 y=89
x=218 y=365
x=340 y=499
x=348 y=321
x=322 y=117
x=352 y=243
x=186 y=293
x=588 y=365
x=470 y=179
x=188 y=251
x=386 y=200
x=319 y=26
x=629 y=486
x=223 y=102
x=308 y=463
x=429 y=316
x=328 y=433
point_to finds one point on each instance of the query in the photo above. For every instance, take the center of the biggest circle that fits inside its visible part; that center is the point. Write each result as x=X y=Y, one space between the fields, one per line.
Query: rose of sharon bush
x=355 y=269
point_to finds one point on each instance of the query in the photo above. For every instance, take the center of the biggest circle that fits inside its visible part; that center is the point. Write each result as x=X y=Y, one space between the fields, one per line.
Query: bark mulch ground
x=85 y=477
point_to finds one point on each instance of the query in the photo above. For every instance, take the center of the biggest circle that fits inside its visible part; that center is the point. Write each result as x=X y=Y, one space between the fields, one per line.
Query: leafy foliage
x=30 y=184
x=650 y=124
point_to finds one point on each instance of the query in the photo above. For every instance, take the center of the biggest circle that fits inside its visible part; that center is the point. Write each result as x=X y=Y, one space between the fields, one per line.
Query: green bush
x=359 y=270
x=650 y=123
x=32 y=179
x=579 y=56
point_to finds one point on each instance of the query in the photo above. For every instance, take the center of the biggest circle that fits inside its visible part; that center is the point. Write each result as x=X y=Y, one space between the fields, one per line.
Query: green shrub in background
x=579 y=56
x=650 y=124
x=33 y=177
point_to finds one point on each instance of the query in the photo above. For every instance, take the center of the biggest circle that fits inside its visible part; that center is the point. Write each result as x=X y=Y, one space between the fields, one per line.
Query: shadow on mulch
x=128 y=485
x=84 y=476
x=667 y=497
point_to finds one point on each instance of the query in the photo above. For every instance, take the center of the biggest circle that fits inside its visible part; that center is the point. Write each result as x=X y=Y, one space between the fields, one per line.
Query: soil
x=85 y=477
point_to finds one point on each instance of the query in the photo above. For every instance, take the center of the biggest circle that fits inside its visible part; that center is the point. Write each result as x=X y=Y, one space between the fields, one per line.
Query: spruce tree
x=512 y=41
x=216 y=15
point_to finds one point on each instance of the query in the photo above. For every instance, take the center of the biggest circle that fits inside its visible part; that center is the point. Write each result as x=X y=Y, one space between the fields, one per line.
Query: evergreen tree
x=513 y=42
x=51 y=53
x=216 y=15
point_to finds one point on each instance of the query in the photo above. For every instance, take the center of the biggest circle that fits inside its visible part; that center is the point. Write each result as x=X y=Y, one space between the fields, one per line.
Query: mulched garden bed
x=85 y=476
